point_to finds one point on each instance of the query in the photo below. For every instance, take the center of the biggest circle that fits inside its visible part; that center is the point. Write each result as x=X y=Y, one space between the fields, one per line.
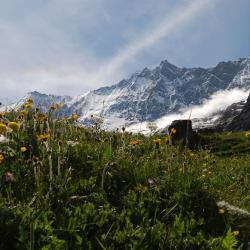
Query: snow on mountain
x=151 y=94
x=41 y=101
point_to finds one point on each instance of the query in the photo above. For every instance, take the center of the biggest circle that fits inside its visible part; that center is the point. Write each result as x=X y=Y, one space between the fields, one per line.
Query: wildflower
x=28 y=105
x=134 y=143
x=74 y=116
x=236 y=233
x=55 y=107
x=173 y=130
x=140 y=188
x=43 y=118
x=23 y=149
x=192 y=155
x=247 y=134
x=2 y=114
x=152 y=182
x=157 y=142
x=221 y=211
x=43 y=137
x=23 y=113
x=14 y=126
x=173 y=155
x=29 y=100
x=1 y=158
x=3 y=128
x=72 y=143
x=3 y=139
x=123 y=129
x=8 y=177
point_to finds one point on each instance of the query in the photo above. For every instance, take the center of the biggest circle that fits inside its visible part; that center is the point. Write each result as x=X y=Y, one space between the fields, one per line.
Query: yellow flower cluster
x=157 y=142
x=43 y=137
x=1 y=158
x=3 y=129
x=28 y=103
x=23 y=149
x=2 y=114
x=14 y=126
x=134 y=143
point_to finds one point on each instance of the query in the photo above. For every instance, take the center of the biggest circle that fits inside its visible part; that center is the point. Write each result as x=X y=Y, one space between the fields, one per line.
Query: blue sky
x=72 y=46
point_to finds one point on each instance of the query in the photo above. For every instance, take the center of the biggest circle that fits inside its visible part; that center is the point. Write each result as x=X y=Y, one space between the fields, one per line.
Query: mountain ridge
x=152 y=93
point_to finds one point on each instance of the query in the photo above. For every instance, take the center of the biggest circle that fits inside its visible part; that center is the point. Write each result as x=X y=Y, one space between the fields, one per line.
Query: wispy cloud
x=174 y=22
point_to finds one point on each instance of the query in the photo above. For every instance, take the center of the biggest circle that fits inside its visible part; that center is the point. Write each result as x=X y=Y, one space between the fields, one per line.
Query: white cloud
x=44 y=48
x=172 y=23
x=216 y=102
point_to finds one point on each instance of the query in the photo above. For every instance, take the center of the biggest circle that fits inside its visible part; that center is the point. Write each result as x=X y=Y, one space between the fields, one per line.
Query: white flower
x=232 y=209
x=3 y=139
x=72 y=143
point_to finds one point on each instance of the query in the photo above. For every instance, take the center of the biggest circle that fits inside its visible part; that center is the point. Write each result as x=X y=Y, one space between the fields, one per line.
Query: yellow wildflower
x=3 y=128
x=24 y=113
x=23 y=149
x=247 y=134
x=74 y=116
x=1 y=158
x=173 y=130
x=2 y=114
x=28 y=105
x=14 y=126
x=54 y=107
x=221 y=211
x=29 y=100
x=157 y=142
x=43 y=137
x=236 y=233
x=134 y=143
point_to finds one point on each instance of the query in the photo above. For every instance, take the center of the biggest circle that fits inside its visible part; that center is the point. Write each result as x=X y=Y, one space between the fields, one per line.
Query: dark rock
x=184 y=134
x=241 y=122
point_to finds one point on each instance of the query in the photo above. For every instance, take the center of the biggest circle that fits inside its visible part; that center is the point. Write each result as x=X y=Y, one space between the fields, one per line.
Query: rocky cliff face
x=241 y=121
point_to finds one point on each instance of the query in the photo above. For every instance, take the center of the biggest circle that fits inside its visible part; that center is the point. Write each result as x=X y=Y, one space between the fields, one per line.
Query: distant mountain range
x=151 y=94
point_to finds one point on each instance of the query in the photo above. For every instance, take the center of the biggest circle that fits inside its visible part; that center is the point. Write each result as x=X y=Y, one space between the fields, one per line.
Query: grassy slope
x=105 y=193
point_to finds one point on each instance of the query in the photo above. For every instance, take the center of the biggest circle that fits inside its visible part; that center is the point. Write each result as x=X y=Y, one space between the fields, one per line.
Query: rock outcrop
x=182 y=132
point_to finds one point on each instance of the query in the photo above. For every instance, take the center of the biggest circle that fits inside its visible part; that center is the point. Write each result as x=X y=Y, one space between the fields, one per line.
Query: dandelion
x=236 y=233
x=14 y=126
x=29 y=100
x=173 y=131
x=55 y=107
x=1 y=158
x=221 y=211
x=28 y=105
x=247 y=134
x=23 y=113
x=167 y=139
x=3 y=128
x=157 y=142
x=134 y=143
x=2 y=114
x=43 y=137
x=23 y=149
x=74 y=116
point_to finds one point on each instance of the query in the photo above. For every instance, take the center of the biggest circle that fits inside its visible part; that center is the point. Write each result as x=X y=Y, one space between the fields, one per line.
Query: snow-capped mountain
x=153 y=93
x=41 y=101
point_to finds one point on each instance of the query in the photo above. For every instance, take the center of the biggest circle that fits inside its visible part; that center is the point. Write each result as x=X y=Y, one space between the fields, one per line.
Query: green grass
x=90 y=189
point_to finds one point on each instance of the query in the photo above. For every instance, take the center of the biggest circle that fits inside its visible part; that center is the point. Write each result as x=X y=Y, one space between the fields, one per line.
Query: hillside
x=65 y=186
